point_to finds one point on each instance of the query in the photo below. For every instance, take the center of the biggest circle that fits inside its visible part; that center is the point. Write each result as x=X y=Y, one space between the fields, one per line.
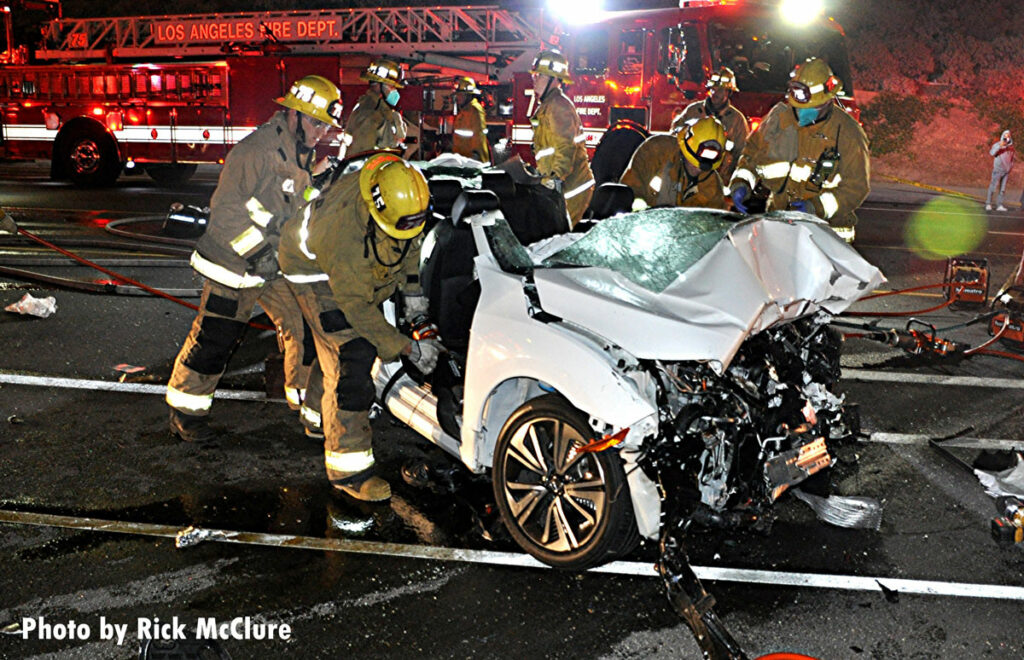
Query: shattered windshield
x=650 y=249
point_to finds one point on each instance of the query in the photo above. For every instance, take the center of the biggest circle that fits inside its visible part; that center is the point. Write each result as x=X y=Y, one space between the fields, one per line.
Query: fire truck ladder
x=482 y=39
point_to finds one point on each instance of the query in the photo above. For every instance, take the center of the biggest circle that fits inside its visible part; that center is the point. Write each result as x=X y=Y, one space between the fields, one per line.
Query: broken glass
x=651 y=249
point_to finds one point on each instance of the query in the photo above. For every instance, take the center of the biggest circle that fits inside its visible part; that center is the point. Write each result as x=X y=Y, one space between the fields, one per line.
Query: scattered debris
x=14 y=419
x=41 y=307
x=128 y=368
x=193 y=535
x=891 y=595
x=1005 y=482
x=851 y=512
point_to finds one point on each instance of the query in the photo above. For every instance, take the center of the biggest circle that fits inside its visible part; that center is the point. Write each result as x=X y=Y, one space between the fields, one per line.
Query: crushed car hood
x=693 y=284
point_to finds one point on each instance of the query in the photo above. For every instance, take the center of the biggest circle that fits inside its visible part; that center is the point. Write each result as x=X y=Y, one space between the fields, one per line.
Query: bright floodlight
x=577 y=11
x=801 y=12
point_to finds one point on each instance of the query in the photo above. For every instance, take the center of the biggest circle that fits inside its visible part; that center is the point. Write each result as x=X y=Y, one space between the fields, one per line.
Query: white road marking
x=960 y=443
x=519 y=560
x=864 y=375
x=9 y=378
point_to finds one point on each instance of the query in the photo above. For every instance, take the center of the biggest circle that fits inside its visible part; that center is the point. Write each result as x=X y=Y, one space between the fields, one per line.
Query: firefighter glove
x=416 y=304
x=7 y=225
x=799 y=205
x=739 y=197
x=424 y=354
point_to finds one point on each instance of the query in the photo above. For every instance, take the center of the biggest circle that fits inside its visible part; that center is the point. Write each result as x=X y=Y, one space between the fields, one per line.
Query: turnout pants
x=217 y=331
x=346 y=360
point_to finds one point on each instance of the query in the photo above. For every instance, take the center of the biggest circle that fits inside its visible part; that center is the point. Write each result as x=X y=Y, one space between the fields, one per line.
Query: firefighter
x=810 y=154
x=470 y=138
x=558 y=140
x=375 y=123
x=720 y=88
x=260 y=186
x=343 y=256
x=680 y=170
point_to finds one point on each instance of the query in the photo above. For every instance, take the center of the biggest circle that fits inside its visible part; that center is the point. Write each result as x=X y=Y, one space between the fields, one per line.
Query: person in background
x=559 y=145
x=720 y=86
x=470 y=138
x=1002 y=153
x=375 y=123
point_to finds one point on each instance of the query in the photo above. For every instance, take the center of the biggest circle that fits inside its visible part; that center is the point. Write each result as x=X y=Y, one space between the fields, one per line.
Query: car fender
x=514 y=357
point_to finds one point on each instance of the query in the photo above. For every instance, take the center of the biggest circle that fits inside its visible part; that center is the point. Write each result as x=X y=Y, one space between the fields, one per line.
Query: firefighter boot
x=191 y=428
x=369 y=489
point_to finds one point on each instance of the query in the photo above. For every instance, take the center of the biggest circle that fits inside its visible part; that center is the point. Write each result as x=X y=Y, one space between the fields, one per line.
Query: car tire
x=90 y=158
x=568 y=515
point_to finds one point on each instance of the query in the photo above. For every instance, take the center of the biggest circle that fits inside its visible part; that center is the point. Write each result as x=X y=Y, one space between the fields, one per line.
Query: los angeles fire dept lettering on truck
x=163 y=94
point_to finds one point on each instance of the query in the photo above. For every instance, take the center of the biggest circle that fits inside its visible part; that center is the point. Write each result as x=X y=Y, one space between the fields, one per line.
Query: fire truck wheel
x=171 y=174
x=90 y=159
x=568 y=510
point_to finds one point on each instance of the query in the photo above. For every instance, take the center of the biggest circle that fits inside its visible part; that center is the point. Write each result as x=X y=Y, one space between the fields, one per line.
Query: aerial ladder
x=482 y=40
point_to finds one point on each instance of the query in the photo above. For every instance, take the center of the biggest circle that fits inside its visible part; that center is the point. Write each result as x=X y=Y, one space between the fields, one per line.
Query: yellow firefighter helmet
x=315 y=96
x=552 y=63
x=383 y=71
x=397 y=195
x=723 y=78
x=812 y=84
x=703 y=143
x=467 y=85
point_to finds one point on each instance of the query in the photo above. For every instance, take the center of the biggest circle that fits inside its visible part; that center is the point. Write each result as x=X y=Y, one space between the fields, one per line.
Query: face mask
x=392 y=98
x=806 y=116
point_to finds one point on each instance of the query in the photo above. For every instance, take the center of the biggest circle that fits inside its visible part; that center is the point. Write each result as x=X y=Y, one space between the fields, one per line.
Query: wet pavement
x=108 y=456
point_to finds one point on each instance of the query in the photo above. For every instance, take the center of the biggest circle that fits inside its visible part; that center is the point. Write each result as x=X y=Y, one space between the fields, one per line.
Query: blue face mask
x=392 y=98
x=806 y=116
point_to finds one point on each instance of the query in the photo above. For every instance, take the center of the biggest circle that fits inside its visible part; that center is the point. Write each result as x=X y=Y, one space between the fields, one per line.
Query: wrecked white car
x=665 y=366
x=662 y=354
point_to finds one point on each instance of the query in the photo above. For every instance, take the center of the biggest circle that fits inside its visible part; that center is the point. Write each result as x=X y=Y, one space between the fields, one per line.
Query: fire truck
x=161 y=94
x=643 y=67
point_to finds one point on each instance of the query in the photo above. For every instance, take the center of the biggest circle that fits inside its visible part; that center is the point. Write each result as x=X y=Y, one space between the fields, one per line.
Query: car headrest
x=498 y=182
x=609 y=199
x=471 y=202
x=443 y=193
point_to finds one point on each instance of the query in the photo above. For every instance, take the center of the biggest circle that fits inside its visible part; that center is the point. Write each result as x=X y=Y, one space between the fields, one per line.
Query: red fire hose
x=119 y=276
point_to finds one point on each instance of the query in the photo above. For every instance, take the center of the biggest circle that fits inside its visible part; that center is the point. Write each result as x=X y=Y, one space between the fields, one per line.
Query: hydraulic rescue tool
x=1008 y=526
x=968 y=281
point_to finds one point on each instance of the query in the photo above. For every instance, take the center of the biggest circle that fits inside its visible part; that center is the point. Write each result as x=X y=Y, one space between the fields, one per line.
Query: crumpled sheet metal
x=769 y=268
x=1006 y=482
x=851 y=512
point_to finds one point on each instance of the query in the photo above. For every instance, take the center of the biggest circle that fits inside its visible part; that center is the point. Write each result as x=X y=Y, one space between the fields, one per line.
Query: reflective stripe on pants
x=275 y=298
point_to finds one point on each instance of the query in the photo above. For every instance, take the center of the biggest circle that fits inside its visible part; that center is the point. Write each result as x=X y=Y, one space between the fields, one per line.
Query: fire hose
x=117 y=276
x=926 y=340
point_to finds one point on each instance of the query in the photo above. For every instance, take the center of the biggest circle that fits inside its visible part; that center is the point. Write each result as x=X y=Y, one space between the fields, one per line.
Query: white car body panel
x=772 y=270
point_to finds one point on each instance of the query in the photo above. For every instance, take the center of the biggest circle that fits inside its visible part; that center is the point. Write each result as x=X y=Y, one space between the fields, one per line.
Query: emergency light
x=801 y=12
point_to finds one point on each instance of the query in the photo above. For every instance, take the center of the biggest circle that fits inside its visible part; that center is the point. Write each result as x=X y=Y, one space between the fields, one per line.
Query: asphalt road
x=107 y=455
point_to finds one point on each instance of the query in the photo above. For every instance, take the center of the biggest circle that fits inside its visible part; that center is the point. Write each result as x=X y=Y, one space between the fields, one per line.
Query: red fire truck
x=165 y=93
x=162 y=94
x=645 y=66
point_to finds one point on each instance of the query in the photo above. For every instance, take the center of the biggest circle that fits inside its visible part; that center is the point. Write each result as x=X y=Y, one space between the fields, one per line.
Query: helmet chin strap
x=301 y=150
